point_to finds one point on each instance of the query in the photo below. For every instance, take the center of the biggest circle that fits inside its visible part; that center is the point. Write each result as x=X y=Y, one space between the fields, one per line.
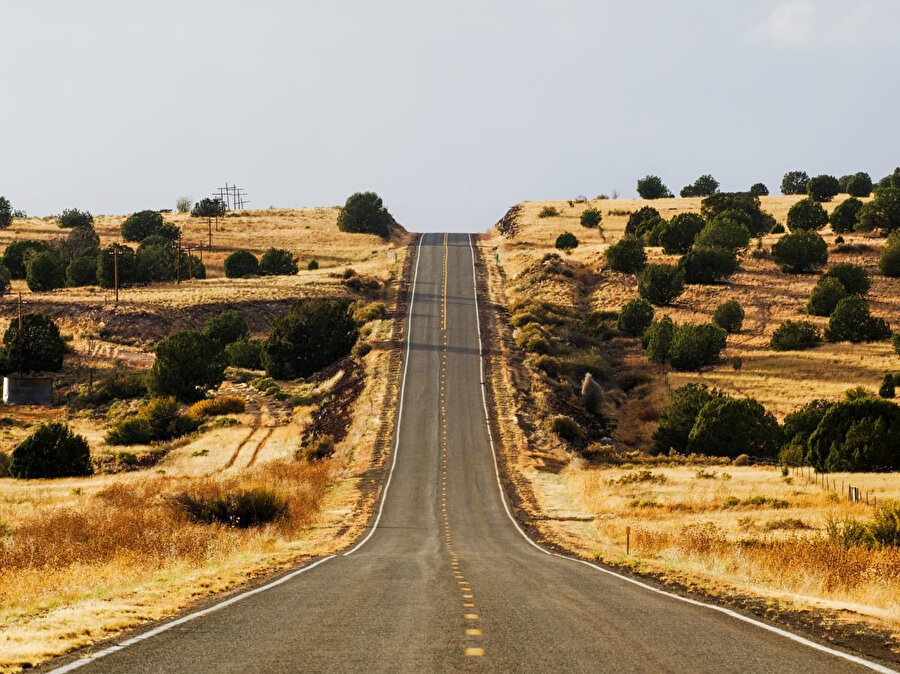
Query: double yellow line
x=446 y=269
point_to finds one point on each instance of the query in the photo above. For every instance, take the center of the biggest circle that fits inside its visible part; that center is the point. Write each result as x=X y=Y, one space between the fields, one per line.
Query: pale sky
x=452 y=111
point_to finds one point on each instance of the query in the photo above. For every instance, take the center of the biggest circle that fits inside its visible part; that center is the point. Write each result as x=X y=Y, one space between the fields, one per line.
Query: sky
x=451 y=111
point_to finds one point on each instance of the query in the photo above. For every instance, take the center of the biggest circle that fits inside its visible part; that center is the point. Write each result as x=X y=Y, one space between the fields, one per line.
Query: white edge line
x=721 y=609
x=93 y=657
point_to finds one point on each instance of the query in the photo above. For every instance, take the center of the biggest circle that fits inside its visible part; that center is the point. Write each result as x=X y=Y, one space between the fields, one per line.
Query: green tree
x=591 y=218
x=156 y=260
x=241 y=263
x=72 y=217
x=5 y=278
x=860 y=435
x=45 y=271
x=364 y=212
x=37 y=347
x=314 y=333
x=808 y=215
x=657 y=340
x=800 y=425
x=82 y=271
x=854 y=277
x=187 y=365
x=6 y=213
x=795 y=336
x=860 y=185
x=694 y=346
x=825 y=296
x=887 y=386
x=660 y=284
x=226 y=327
x=278 y=262
x=707 y=265
x=759 y=190
x=678 y=234
x=141 y=225
x=704 y=186
x=730 y=427
x=51 y=451
x=851 y=322
x=566 y=241
x=627 y=255
x=678 y=417
x=637 y=224
x=800 y=252
x=845 y=217
x=794 y=182
x=823 y=188
x=245 y=353
x=757 y=221
x=208 y=208
x=882 y=213
x=729 y=316
x=106 y=266
x=651 y=187
x=635 y=318
x=726 y=230
x=17 y=254
x=889 y=261
x=80 y=241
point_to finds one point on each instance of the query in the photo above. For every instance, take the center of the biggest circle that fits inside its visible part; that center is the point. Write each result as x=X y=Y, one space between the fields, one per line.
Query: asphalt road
x=446 y=581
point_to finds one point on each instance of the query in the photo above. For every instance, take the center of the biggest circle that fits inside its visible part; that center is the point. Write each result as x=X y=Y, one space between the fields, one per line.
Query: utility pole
x=178 y=259
x=116 y=271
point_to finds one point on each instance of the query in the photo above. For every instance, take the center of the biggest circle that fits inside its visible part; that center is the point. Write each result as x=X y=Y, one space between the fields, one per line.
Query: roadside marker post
x=627 y=540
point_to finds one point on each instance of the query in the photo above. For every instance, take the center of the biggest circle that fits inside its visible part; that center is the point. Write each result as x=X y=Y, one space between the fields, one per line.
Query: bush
x=889 y=262
x=566 y=241
x=759 y=190
x=591 y=395
x=651 y=187
x=694 y=346
x=18 y=253
x=52 y=450
x=45 y=271
x=807 y=215
x=678 y=417
x=795 y=336
x=566 y=428
x=364 y=212
x=106 y=262
x=657 y=339
x=82 y=271
x=825 y=297
x=318 y=448
x=155 y=260
x=882 y=213
x=533 y=338
x=241 y=263
x=183 y=204
x=823 y=188
x=244 y=353
x=637 y=221
x=314 y=333
x=730 y=427
x=855 y=278
x=141 y=225
x=548 y=212
x=165 y=420
x=627 y=255
x=706 y=265
x=72 y=217
x=79 y=241
x=887 y=389
x=800 y=252
x=591 y=218
x=226 y=327
x=860 y=185
x=729 y=316
x=372 y=311
x=208 y=208
x=857 y=435
x=703 y=186
x=794 y=182
x=241 y=509
x=845 y=217
x=851 y=322
x=312 y=265
x=188 y=364
x=726 y=230
x=660 y=284
x=678 y=234
x=758 y=222
x=6 y=213
x=5 y=278
x=37 y=347
x=635 y=318
x=801 y=424
x=278 y=262
x=217 y=406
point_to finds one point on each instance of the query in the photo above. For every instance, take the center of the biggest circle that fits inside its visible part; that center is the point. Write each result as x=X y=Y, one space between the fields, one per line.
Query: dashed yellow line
x=476 y=652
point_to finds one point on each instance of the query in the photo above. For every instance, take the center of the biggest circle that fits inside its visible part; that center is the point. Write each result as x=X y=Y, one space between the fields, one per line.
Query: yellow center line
x=446 y=267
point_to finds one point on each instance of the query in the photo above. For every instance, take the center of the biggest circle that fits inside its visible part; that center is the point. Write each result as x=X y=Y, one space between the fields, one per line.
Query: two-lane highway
x=445 y=580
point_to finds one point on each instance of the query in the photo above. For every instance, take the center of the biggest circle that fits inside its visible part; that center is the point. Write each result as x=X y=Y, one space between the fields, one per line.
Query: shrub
x=241 y=263
x=895 y=342
x=660 y=284
x=533 y=338
x=678 y=417
x=37 y=347
x=79 y=241
x=82 y=271
x=703 y=186
x=364 y=212
x=807 y=215
x=155 y=260
x=106 y=262
x=887 y=387
x=889 y=262
x=795 y=336
x=52 y=450
x=165 y=420
x=141 y=225
x=635 y=318
x=278 y=262
x=241 y=509
x=694 y=346
x=187 y=365
x=857 y=435
x=548 y=212
x=825 y=297
x=882 y=213
x=5 y=278
x=794 y=182
x=312 y=265
x=860 y=185
x=759 y=190
x=800 y=425
x=244 y=353
x=726 y=230
x=657 y=339
x=845 y=217
x=637 y=221
x=18 y=253
x=627 y=255
x=591 y=218
x=566 y=241
x=72 y=217
x=319 y=447
x=226 y=327
x=851 y=322
x=566 y=428
x=758 y=222
x=591 y=395
x=707 y=265
x=217 y=406
x=651 y=187
x=45 y=271
x=730 y=427
x=678 y=234
x=823 y=188
x=855 y=278
x=6 y=213
x=729 y=316
x=372 y=311
x=183 y=204
x=208 y=208
x=314 y=333
x=800 y=252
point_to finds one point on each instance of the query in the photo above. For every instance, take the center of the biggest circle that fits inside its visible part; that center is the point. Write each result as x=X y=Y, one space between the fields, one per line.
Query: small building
x=21 y=389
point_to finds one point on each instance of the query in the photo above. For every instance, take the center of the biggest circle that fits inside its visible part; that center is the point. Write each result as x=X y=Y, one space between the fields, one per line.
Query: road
x=445 y=580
